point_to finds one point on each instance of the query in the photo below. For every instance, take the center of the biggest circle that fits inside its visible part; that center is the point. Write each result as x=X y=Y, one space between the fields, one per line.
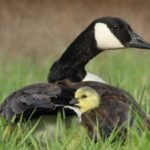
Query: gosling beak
x=73 y=102
x=137 y=41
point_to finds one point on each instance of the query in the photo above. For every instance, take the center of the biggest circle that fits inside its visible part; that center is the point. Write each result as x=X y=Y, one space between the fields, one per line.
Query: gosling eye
x=83 y=96
x=116 y=27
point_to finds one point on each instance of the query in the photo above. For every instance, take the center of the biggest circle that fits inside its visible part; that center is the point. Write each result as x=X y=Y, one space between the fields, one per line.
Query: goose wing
x=41 y=98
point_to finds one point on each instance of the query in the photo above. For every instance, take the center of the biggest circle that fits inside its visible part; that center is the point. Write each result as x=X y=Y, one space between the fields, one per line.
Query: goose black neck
x=72 y=62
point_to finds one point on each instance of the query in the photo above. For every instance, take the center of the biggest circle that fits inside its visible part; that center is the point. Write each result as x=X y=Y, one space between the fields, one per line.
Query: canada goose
x=105 y=33
x=48 y=99
x=102 y=34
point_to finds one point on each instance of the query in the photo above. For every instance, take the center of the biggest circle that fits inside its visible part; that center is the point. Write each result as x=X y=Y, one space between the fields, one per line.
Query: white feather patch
x=92 y=77
x=105 y=38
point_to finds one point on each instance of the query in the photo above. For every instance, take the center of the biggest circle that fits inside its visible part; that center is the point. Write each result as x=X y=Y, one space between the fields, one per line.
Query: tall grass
x=126 y=69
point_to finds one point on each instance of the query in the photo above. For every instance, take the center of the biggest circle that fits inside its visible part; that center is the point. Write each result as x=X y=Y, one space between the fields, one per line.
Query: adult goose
x=102 y=34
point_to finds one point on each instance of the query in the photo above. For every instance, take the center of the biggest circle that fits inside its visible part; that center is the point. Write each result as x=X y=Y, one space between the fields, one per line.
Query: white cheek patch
x=105 y=38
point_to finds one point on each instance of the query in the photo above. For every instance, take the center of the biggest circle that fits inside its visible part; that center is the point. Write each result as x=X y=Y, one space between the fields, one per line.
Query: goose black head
x=115 y=33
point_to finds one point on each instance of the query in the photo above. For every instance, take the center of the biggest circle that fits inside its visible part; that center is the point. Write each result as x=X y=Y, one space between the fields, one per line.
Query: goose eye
x=116 y=27
x=83 y=96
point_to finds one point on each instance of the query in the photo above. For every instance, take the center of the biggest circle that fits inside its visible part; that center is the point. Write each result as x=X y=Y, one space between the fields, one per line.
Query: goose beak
x=137 y=41
x=73 y=102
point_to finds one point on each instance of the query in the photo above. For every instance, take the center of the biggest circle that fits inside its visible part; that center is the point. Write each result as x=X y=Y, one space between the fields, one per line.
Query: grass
x=126 y=69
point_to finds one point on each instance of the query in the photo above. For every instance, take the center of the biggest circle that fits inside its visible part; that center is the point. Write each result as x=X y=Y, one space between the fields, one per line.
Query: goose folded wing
x=36 y=97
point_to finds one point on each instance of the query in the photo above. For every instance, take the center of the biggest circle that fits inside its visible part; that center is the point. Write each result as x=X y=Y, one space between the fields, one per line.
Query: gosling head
x=86 y=99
